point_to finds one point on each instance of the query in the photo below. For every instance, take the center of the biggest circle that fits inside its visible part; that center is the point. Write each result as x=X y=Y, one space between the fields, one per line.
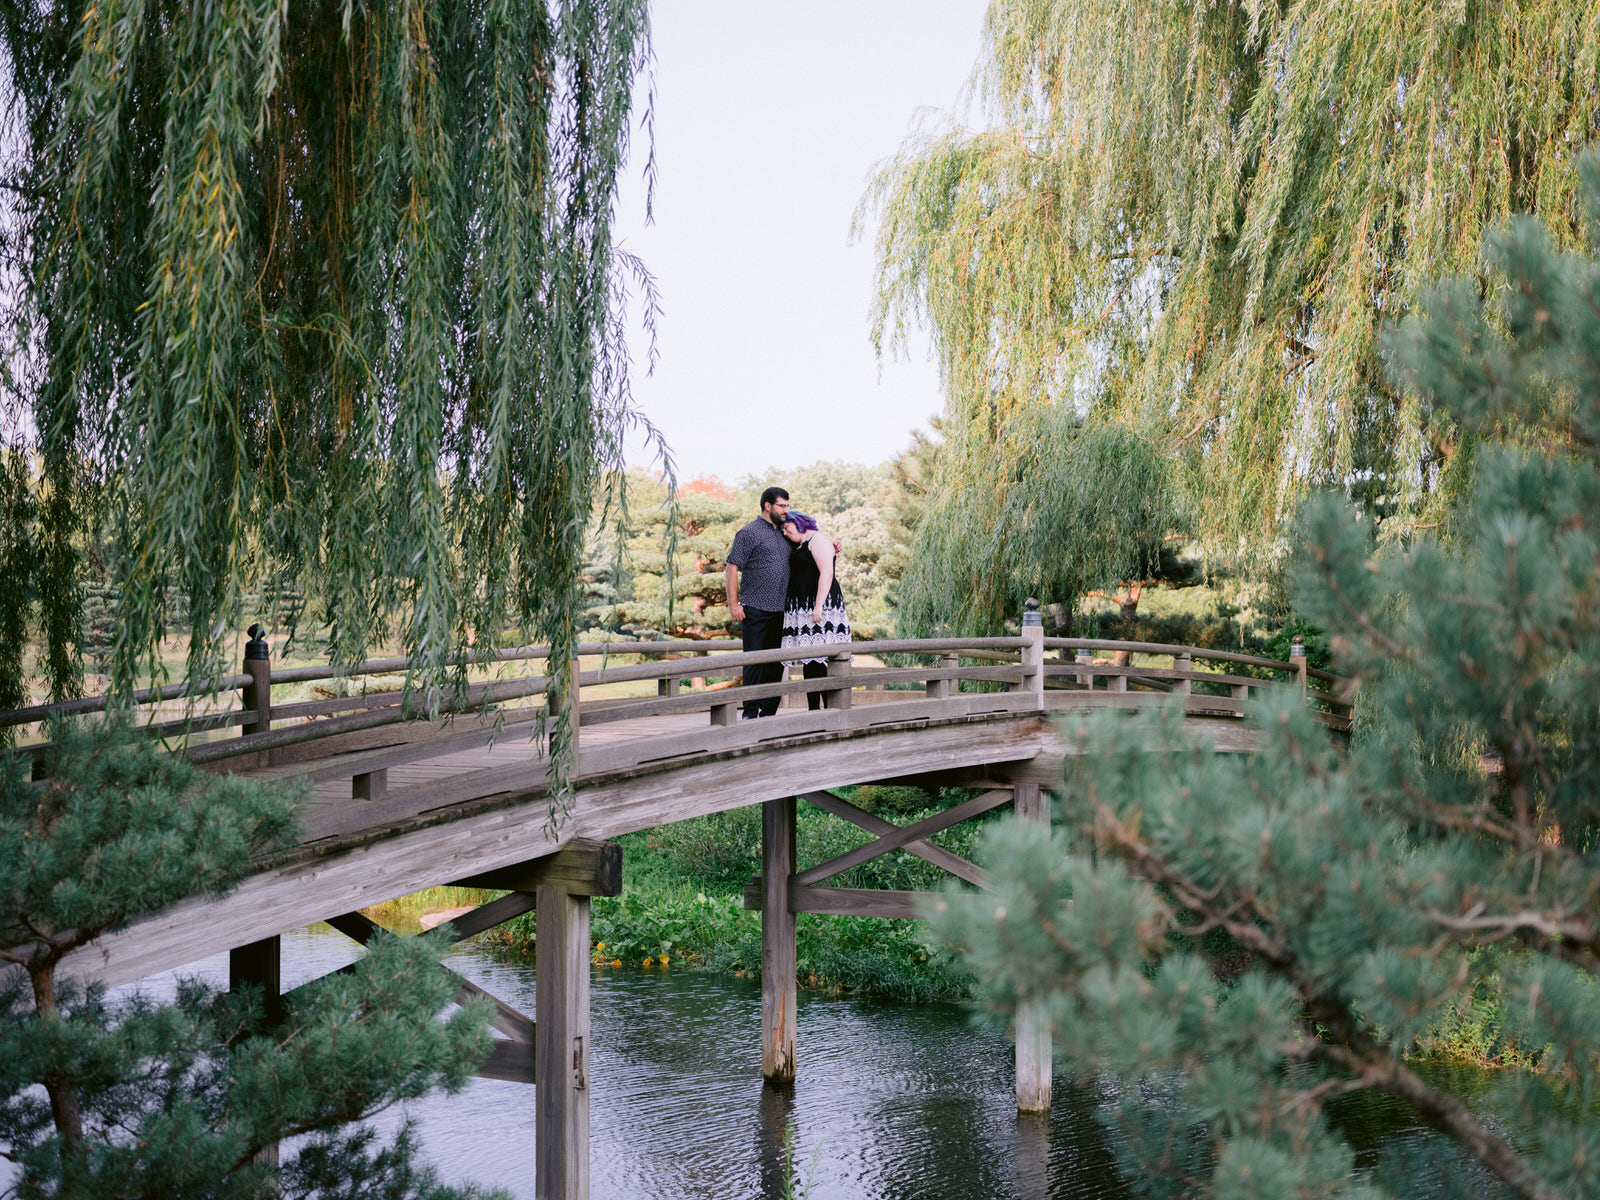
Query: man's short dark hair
x=773 y=494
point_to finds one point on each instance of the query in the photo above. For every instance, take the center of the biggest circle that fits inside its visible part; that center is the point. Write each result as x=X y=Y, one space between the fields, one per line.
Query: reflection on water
x=893 y=1101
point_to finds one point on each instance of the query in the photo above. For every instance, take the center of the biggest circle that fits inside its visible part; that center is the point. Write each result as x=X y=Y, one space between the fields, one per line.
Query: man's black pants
x=763 y=630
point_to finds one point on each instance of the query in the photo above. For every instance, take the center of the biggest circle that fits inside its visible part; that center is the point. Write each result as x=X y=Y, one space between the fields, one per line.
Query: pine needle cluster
x=135 y=1098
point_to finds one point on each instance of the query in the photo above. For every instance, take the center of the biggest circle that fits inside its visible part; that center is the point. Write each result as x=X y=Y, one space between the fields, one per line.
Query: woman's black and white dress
x=798 y=627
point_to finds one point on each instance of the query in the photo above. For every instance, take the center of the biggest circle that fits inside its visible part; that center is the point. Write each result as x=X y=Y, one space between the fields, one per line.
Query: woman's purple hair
x=801 y=522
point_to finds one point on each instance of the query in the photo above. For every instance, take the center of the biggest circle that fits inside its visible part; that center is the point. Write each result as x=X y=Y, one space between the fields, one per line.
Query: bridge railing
x=947 y=673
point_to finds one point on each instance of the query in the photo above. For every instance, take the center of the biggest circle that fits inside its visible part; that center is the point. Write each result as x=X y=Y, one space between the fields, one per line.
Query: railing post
x=1297 y=660
x=670 y=685
x=575 y=690
x=1182 y=662
x=1085 y=657
x=553 y=704
x=943 y=689
x=1032 y=652
x=257 y=694
x=838 y=668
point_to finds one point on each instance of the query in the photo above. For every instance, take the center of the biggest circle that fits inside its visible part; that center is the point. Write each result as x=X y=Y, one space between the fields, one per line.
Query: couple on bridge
x=784 y=565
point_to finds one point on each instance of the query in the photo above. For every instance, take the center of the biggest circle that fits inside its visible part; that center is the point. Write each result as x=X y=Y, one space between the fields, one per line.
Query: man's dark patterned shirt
x=762 y=555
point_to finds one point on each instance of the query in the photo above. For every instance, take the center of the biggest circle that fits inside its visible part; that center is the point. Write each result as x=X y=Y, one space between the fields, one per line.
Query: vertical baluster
x=838 y=668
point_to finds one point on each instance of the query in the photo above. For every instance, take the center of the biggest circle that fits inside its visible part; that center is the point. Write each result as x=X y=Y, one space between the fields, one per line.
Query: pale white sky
x=769 y=119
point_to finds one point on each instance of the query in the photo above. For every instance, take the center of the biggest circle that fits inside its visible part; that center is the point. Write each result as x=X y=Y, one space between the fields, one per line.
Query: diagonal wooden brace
x=516 y=1026
x=910 y=838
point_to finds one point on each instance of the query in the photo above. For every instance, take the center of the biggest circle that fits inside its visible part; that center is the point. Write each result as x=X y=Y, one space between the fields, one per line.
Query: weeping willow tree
x=1192 y=219
x=1051 y=509
x=323 y=292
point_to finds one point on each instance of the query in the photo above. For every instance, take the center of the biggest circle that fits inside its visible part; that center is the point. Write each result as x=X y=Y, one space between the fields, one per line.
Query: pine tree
x=1356 y=901
x=140 y=1099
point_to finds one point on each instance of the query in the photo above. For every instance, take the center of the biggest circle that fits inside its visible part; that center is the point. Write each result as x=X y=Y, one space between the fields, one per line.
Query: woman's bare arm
x=822 y=551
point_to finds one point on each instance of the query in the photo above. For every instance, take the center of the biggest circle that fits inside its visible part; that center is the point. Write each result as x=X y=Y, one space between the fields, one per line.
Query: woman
x=814 y=613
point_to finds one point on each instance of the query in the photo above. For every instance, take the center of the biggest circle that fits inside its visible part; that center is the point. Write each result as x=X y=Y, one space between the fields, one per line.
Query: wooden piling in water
x=778 y=986
x=260 y=964
x=1034 y=1048
x=561 y=1058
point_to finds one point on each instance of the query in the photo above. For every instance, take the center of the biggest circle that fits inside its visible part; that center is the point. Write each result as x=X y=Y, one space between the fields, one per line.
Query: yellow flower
x=616 y=962
x=665 y=960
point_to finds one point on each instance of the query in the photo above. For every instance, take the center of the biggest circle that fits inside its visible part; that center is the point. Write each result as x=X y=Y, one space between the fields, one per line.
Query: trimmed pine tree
x=1230 y=941
x=134 y=1098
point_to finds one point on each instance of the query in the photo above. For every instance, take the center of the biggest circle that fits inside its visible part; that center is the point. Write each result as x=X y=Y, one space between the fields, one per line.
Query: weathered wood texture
x=842 y=902
x=926 y=851
x=901 y=836
x=425 y=837
x=561 y=1102
x=1033 y=1022
x=259 y=965
x=778 y=983
x=584 y=867
x=487 y=916
x=517 y=1027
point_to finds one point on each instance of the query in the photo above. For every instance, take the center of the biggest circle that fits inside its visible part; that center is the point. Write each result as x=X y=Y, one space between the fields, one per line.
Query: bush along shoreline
x=682 y=903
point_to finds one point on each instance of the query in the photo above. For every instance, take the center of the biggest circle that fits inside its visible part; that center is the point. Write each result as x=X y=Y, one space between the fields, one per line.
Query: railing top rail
x=729 y=657
x=1163 y=648
x=372 y=666
x=91 y=704
x=390 y=666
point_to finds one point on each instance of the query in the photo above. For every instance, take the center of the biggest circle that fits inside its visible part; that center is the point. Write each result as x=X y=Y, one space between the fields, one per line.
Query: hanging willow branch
x=318 y=292
x=1198 y=215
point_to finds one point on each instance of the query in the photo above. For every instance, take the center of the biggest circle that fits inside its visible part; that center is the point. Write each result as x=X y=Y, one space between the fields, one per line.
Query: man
x=759 y=561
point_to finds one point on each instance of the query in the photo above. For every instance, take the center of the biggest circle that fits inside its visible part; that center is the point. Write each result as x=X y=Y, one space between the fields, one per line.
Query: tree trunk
x=63 y=1098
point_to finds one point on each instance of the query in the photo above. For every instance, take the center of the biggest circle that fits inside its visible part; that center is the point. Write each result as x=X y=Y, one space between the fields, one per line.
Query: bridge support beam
x=777 y=942
x=1034 y=1049
x=260 y=964
x=561 y=1058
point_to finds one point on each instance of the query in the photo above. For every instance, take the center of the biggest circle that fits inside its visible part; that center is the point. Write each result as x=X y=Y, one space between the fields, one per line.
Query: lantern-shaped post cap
x=1031 y=614
x=256 y=649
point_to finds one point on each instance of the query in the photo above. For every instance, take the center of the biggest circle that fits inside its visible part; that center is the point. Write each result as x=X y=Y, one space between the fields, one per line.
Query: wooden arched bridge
x=403 y=804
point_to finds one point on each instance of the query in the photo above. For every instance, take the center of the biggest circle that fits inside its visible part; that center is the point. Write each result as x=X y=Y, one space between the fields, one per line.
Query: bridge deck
x=415 y=787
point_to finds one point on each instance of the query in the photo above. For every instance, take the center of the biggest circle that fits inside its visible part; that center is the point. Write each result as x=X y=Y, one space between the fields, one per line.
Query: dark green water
x=894 y=1101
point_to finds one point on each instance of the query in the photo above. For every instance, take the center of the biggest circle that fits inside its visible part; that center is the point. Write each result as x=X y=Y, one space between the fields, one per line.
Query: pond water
x=893 y=1100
